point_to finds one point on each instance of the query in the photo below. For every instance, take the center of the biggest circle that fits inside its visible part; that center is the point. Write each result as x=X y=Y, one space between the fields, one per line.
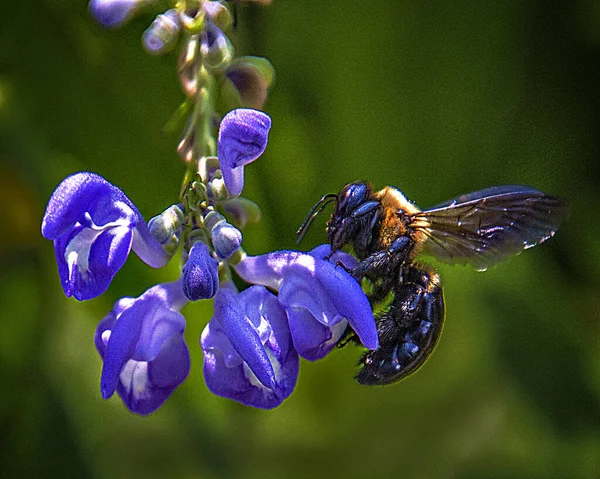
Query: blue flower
x=141 y=343
x=200 y=275
x=94 y=226
x=243 y=136
x=319 y=297
x=248 y=351
x=114 y=13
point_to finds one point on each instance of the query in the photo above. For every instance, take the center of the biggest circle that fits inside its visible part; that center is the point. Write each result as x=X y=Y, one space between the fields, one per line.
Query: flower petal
x=324 y=279
x=145 y=386
x=225 y=372
x=121 y=346
x=78 y=194
x=94 y=226
x=243 y=136
x=244 y=337
x=141 y=343
x=312 y=339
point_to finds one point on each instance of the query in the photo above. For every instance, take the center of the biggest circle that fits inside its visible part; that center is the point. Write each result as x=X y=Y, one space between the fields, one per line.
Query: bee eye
x=352 y=196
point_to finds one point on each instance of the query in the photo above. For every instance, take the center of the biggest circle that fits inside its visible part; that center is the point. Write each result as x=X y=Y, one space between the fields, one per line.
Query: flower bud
x=165 y=225
x=242 y=210
x=212 y=219
x=193 y=19
x=226 y=239
x=161 y=36
x=196 y=195
x=114 y=13
x=218 y=14
x=251 y=77
x=191 y=77
x=217 y=50
x=217 y=189
x=200 y=275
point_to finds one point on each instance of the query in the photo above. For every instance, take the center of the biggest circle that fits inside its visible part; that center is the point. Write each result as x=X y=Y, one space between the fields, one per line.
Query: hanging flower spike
x=243 y=136
x=318 y=297
x=248 y=351
x=142 y=346
x=94 y=226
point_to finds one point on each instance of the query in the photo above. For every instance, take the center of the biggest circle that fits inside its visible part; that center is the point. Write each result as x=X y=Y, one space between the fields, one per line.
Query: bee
x=388 y=233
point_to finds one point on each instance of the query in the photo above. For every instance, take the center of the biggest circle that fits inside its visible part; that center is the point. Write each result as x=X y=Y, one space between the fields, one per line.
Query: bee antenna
x=321 y=204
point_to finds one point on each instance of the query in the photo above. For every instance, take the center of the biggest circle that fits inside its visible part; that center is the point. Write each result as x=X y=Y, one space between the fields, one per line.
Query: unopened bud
x=218 y=14
x=166 y=225
x=217 y=50
x=226 y=239
x=217 y=189
x=200 y=274
x=252 y=77
x=114 y=13
x=242 y=210
x=161 y=36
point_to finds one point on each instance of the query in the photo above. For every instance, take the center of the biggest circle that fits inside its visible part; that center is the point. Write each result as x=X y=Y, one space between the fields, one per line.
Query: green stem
x=205 y=144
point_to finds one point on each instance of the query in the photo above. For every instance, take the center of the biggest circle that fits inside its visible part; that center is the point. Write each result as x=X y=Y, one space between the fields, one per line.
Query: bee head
x=352 y=196
x=346 y=201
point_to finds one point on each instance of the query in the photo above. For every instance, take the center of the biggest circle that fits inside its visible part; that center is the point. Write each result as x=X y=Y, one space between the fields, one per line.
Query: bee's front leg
x=385 y=262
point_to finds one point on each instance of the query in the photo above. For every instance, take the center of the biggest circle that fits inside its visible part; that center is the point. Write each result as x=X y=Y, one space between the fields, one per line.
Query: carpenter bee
x=387 y=233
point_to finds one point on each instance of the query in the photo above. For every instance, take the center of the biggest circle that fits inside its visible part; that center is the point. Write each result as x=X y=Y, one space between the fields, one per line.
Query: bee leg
x=344 y=267
x=349 y=336
x=383 y=263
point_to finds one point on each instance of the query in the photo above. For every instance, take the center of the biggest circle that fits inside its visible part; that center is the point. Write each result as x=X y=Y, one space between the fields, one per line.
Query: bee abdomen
x=408 y=332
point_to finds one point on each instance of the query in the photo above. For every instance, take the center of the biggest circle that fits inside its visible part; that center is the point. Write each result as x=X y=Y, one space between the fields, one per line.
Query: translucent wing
x=486 y=226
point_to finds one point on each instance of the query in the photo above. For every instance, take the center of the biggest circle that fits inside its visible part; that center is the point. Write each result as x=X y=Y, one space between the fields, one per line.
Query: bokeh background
x=437 y=98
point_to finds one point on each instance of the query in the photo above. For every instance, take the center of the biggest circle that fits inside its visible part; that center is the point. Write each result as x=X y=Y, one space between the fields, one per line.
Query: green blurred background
x=437 y=98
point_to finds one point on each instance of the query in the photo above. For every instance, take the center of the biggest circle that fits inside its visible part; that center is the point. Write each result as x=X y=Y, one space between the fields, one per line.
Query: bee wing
x=486 y=226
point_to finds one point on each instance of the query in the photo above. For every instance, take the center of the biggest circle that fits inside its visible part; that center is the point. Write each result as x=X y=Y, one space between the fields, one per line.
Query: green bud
x=252 y=77
x=218 y=14
x=165 y=225
x=217 y=50
x=217 y=190
x=191 y=76
x=192 y=18
x=196 y=195
x=242 y=211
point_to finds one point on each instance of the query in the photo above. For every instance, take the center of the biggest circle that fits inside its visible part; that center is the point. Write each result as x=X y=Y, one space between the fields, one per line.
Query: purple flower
x=248 y=351
x=243 y=136
x=94 y=226
x=319 y=297
x=114 y=13
x=200 y=275
x=141 y=343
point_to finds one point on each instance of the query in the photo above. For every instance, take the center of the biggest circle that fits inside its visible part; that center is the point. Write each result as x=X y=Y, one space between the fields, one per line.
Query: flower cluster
x=292 y=305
